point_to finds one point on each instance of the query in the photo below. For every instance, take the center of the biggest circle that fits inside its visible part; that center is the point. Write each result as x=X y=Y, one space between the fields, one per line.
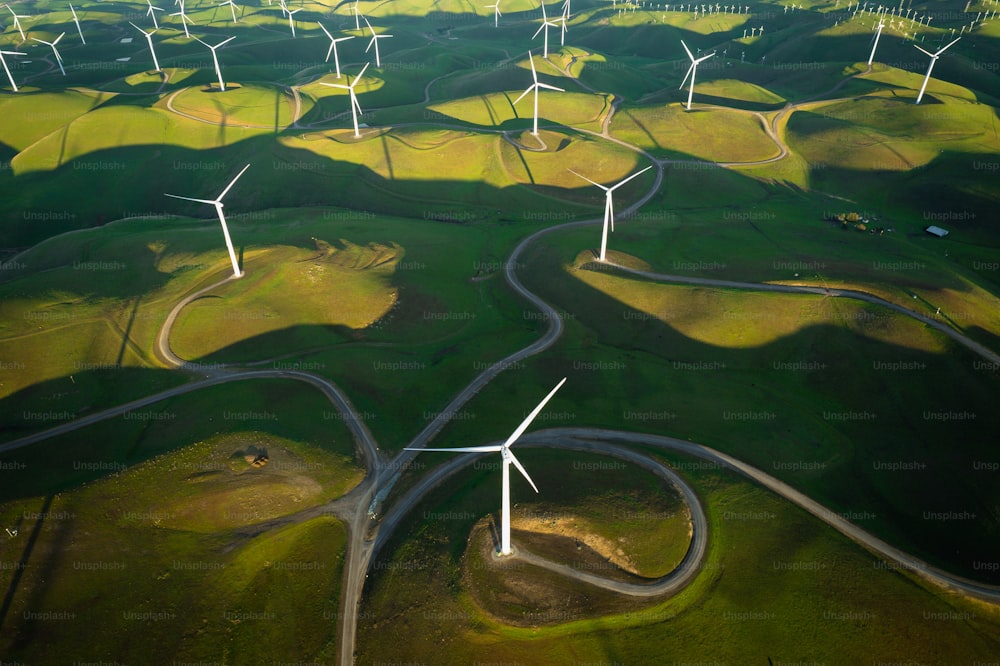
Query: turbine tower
x=333 y=47
x=934 y=57
x=77 y=22
x=609 y=211
x=217 y=202
x=692 y=70
x=3 y=61
x=355 y=107
x=215 y=59
x=878 y=33
x=535 y=86
x=374 y=42
x=149 y=40
x=291 y=21
x=54 y=50
x=508 y=458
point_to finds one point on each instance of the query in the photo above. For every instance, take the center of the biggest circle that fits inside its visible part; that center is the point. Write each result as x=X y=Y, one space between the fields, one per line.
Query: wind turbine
x=566 y=10
x=17 y=22
x=149 y=40
x=878 y=33
x=496 y=13
x=291 y=21
x=217 y=202
x=355 y=107
x=215 y=59
x=375 y=38
x=535 y=86
x=333 y=47
x=692 y=70
x=184 y=19
x=508 y=459
x=10 y=77
x=232 y=8
x=77 y=21
x=545 y=26
x=54 y=50
x=609 y=211
x=151 y=12
x=357 y=24
x=934 y=57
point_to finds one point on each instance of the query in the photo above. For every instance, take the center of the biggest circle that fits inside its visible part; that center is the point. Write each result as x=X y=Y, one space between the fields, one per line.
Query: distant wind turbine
x=151 y=12
x=10 y=77
x=692 y=70
x=54 y=50
x=508 y=459
x=17 y=22
x=333 y=47
x=291 y=21
x=934 y=57
x=232 y=8
x=184 y=19
x=496 y=13
x=149 y=40
x=374 y=42
x=217 y=202
x=355 y=107
x=609 y=210
x=215 y=59
x=535 y=86
x=545 y=26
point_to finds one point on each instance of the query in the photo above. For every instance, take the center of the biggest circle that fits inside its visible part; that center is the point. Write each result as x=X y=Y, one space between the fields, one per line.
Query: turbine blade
x=635 y=175
x=360 y=74
x=520 y=468
x=530 y=88
x=177 y=196
x=224 y=41
x=538 y=31
x=531 y=61
x=335 y=85
x=492 y=448
x=927 y=52
x=687 y=50
x=531 y=417
x=545 y=85
x=587 y=179
x=705 y=57
x=940 y=51
x=690 y=69
x=325 y=31
x=232 y=182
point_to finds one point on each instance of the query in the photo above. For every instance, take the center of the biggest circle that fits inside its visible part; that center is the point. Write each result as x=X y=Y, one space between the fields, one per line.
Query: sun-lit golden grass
x=889 y=135
x=711 y=134
x=740 y=319
x=24 y=123
x=599 y=161
x=337 y=284
x=565 y=108
x=209 y=486
x=733 y=89
x=121 y=126
x=253 y=105
x=893 y=76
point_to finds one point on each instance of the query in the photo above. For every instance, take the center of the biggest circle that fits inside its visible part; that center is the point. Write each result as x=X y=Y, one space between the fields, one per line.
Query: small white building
x=936 y=231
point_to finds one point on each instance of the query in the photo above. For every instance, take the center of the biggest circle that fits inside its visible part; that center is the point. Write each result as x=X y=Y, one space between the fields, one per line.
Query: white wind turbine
x=565 y=8
x=508 y=459
x=55 y=51
x=333 y=47
x=535 y=86
x=692 y=70
x=878 y=33
x=496 y=13
x=215 y=59
x=17 y=22
x=232 y=8
x=545 y=26
x=934 y=57
x=149 y=40
x=375 y=38
x=151 y=12
x=217 y=202
x=609 y=211
x=10 y=77
x=77 y=21
x=184 y=19
x=291 y=21
x=355 y=107
x=357 y=23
